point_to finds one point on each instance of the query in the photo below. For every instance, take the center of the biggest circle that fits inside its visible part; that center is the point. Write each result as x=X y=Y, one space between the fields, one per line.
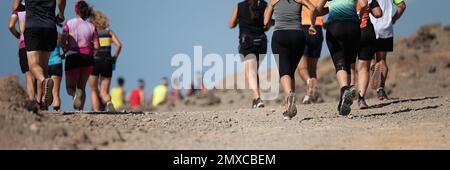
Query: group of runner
x=355 y=29
x=85 y=45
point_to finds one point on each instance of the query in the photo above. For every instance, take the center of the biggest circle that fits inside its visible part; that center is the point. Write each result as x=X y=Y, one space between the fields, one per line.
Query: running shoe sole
x=77 y=100
x=292 y=109
x=346 y=104
x=260 y=105
x=47 y=92
x=110 y=107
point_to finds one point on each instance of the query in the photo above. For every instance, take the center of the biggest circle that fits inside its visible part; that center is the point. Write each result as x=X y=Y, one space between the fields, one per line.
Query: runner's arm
x=364 y=5
x=234 y=18
x=313 y=15
x=268 y=13
x=142 y=97
x=401 y=8
x=16 y=4
x=376 y=9
x=117 y=43
x=61 y=9
x=12 y=26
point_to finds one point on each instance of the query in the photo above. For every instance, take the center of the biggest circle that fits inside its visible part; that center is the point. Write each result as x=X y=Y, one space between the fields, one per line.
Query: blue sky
x=153 y=31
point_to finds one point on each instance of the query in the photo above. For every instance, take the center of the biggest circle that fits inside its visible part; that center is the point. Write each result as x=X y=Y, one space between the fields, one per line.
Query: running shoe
x=312 y=85
x=291 y=108
x=382 y=94
x=286 y=115
x=47 y=92
x=362 y=103
x=307 y=100
x=376 y=76
x=56 y=108
x=77 y=100
x=345 y=102
x=257 y=103
x=110 y=107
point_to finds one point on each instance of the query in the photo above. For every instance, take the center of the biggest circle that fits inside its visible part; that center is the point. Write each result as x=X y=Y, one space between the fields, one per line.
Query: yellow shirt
x=117 y=97
x=159 y=95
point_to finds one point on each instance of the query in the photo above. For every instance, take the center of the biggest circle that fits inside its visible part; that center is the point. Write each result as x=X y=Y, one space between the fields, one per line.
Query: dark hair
x=121 y=81
x=253 y=13
x=84 y=10
x=141 y=81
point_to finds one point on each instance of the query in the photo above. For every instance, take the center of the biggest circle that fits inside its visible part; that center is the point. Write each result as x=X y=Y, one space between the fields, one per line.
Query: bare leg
x=93 y=84
x=251 y=73
x=288 y=84
x=82 y=86
x=104 y=91
x=363 y=77
x=343 y=78
x=381 y=57
x=56 y=89
x=37 y=71
x=30 y=85
x=353 y=74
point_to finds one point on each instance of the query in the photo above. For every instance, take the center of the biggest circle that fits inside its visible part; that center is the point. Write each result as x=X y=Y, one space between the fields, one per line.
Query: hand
x=60 y=18
x=312 y=30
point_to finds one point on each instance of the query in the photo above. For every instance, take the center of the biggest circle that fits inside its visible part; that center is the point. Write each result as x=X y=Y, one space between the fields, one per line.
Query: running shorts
x=367 y=46
x=385 y=44
x=40 y=39
x=103 y=67
x=313 y=46
x=255 y=45
x=55 y=70
x=343 y=42
x=289 y=45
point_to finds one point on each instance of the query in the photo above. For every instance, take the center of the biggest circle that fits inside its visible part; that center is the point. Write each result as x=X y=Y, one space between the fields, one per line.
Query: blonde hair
x=100 y=20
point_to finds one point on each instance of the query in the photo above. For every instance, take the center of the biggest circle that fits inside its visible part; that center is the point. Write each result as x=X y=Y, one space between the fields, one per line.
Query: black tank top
x=246 y=24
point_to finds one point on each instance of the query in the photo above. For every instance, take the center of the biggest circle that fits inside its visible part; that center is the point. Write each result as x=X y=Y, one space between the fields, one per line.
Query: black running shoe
x=382 y=94
x=345 y=102
x=292 y=108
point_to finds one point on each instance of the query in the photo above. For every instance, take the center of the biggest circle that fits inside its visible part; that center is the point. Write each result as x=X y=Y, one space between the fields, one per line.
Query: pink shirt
x=82 y=35
x=21 y=19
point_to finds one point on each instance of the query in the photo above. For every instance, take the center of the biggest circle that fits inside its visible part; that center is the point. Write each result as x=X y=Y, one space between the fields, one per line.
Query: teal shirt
x=55 y=56
x=343 y=11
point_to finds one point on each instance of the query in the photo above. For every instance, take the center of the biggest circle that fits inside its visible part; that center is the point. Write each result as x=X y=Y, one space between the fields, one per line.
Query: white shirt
x=383 y=26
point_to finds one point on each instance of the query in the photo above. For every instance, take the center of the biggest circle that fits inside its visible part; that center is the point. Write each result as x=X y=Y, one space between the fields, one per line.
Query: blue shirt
x=343 y=11
x=55 y=56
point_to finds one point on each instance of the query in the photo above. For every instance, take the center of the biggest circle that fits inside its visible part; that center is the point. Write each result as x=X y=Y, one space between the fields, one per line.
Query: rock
x=33 y=127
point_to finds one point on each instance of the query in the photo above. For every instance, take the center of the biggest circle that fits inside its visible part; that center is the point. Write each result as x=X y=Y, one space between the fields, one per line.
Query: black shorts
x=23 y=60
x=253 y=45
x=313 y=46
x=40 y=39
x=103 y=67
x=385 y=44
x=76 y=61
x=289 y=45
x=55 y=70
x=343 y=42
x=368 y=43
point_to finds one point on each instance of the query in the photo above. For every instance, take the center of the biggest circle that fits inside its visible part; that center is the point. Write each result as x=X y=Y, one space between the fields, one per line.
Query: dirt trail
x=413 y=123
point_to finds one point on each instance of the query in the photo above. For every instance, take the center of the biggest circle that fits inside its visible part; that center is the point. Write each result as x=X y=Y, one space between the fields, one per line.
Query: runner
x=249 y=15
x=137 y=96
x=384 y=29
x=40 y=37
x=366 y=52
x=103 y=66
x=55 y=71
x=160 y=93
x=18 y=16
x=288 y=42
x=307 y=68
x=118 y=94
x=80 y=38
x=342 y=24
